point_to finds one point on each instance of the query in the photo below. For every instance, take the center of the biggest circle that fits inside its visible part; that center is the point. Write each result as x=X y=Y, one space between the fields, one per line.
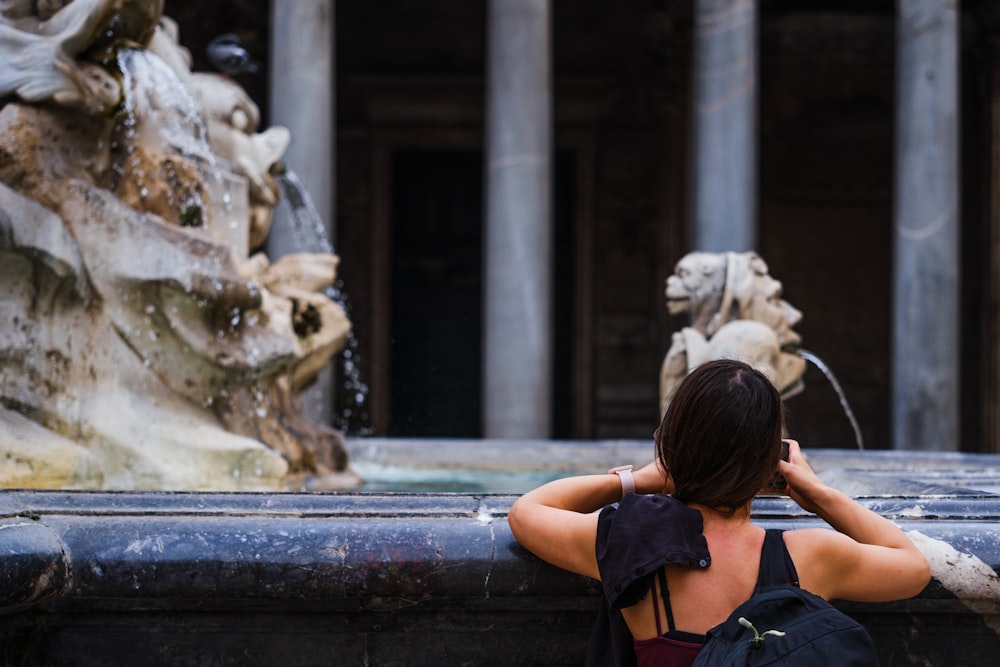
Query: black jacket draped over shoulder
x=635 y=538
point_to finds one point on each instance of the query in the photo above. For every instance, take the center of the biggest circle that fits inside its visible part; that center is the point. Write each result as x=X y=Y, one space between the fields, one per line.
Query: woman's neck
x=710 y=515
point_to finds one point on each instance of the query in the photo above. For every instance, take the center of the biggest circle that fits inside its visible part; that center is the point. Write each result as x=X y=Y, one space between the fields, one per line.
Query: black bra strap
x=665 y=594
x=656 y=613
x=776 y=567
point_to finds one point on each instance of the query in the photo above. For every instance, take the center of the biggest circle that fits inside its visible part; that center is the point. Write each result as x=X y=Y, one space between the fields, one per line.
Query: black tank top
x=676 y=648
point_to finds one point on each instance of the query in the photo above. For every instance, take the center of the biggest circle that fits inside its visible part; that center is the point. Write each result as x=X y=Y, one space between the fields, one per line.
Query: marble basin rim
x=403 y=578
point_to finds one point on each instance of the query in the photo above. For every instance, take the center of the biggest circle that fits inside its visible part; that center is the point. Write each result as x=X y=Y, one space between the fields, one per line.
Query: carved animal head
x=721 y=287
x=696 y=287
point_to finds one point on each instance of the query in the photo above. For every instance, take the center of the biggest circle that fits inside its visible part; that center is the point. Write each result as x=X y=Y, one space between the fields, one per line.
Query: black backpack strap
x=776 y=567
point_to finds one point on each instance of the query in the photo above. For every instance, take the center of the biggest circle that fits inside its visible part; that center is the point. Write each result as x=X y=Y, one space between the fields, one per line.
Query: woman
x=718 y=445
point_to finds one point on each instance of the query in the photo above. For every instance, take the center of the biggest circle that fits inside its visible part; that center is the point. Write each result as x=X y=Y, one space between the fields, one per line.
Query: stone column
x=302 y=99
x=925 y=312
x=990 y=331
x=725 y=125
x=517 y=246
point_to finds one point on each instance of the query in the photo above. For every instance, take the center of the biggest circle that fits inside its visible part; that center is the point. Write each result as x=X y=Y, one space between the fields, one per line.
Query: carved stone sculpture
x=736 y=312
x=143 y=347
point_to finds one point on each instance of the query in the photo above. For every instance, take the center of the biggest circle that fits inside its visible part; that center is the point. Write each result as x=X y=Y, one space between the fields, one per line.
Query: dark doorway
x=436 y=286
x=436 y=289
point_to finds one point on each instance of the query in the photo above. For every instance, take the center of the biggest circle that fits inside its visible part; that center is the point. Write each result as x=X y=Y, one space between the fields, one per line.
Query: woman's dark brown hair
x=720 y=438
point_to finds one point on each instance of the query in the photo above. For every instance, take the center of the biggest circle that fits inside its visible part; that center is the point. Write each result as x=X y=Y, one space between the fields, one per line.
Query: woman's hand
x=804 y=487
x=652 y=479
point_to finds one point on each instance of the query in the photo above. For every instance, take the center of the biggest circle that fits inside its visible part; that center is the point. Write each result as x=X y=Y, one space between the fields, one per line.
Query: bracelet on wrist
x=626 y=477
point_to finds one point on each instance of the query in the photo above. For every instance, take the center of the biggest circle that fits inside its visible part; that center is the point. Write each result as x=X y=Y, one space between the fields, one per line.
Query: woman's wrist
x=625 y=477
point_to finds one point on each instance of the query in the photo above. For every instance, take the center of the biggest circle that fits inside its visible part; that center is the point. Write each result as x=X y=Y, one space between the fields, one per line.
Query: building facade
x=511 y=182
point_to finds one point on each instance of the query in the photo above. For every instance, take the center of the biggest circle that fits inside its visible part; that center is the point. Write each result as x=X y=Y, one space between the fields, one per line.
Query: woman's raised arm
x=558 y=521
x=868 y=559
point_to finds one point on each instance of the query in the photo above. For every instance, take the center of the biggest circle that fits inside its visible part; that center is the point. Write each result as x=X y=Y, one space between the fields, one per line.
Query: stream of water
x=310 y=235
x=825 y=370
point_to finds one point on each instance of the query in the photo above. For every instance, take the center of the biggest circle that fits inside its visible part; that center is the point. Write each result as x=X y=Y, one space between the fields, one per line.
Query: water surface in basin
x=381 y=478
x=515 y=466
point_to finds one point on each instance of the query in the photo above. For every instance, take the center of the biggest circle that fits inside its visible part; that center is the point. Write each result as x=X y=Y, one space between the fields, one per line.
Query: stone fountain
x=145 y=345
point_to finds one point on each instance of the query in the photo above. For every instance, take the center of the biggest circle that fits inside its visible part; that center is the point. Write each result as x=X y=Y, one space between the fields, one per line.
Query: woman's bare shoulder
x=807 y=544
x=810 y=537
x=816 y=553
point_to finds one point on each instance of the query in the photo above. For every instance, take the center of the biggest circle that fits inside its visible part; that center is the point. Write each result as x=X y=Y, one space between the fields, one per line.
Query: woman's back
x=702 y=598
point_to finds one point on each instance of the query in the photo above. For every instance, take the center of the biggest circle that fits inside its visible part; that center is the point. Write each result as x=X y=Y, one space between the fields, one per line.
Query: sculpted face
x=768 y=307
x=697 y=283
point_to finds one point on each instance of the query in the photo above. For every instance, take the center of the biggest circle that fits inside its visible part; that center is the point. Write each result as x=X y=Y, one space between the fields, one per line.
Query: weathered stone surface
x=387 y=579
x=145 y=349
x=35 y=562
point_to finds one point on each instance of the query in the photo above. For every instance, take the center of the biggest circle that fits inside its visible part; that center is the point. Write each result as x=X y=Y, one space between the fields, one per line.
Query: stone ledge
x=381 y=579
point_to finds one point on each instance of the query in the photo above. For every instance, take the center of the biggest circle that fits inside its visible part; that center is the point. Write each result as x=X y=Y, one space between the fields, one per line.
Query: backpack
x=782 y=624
